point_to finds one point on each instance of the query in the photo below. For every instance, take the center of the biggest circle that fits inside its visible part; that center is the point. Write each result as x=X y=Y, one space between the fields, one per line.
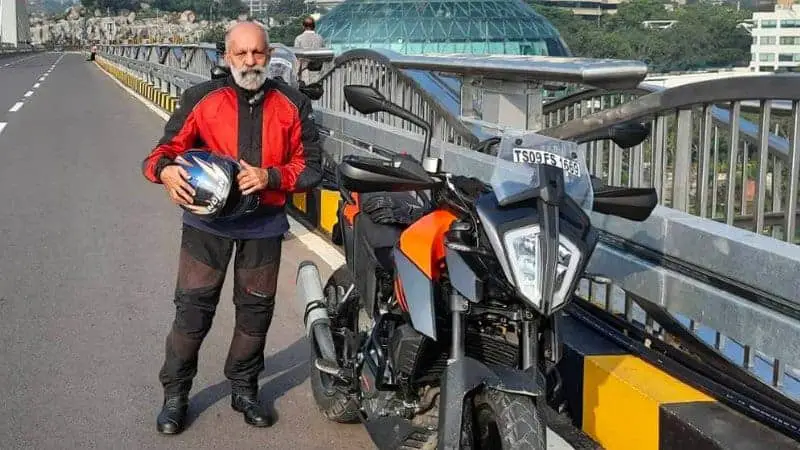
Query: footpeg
x=331 y=368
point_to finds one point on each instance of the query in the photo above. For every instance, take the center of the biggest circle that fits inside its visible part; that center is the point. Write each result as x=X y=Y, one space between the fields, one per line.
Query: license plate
x=531 y=156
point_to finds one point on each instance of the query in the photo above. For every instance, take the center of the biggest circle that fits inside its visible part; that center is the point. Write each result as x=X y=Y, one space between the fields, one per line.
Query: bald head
x=246 y=32
x=247 y=54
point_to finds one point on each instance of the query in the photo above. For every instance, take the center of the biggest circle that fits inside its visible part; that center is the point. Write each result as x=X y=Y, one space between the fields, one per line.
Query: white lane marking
x=16 y=107
x=28 y=94
x=36 y=86
x=327 y=252
x=2 y=125
x=41 y=79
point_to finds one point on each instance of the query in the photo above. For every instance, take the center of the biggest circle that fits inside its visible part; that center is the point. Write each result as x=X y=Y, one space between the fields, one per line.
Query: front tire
x=508 y=422
x=335 y=404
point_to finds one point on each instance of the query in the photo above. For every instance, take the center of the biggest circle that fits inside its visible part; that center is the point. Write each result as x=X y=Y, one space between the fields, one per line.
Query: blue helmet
x=213 y=178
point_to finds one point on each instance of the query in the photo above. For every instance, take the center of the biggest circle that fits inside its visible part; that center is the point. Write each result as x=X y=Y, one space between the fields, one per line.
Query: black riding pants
x=203 y=262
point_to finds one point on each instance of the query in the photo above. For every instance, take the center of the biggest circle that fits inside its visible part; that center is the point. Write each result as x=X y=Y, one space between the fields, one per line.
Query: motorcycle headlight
x=526 y=260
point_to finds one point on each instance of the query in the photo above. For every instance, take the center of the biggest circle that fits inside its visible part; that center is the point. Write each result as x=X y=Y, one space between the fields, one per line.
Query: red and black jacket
x=272 y=129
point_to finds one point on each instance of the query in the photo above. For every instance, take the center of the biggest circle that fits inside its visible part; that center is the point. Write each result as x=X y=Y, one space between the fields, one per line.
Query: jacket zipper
x=252 y=127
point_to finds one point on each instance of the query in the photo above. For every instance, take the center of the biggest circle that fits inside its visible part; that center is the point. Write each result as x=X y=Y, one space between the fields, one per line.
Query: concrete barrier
x=161 y=99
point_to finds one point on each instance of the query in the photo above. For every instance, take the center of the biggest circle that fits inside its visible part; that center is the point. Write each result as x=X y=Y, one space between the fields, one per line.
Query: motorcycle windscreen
x=418 y=292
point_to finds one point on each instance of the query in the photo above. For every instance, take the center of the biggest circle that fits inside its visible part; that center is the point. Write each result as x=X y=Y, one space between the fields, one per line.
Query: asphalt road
x=88 y=255
x=88 y=258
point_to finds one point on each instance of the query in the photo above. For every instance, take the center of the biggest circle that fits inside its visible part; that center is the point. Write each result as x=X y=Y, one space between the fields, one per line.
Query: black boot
x=172 y=418
x=247 y=403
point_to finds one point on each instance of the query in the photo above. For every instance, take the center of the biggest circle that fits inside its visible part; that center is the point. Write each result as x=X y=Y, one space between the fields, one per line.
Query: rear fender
x=466 y=375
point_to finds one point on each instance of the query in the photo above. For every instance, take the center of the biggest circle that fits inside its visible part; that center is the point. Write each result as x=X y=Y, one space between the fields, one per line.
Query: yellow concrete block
x=329 y=203
x=299 y=201
x=622 y=395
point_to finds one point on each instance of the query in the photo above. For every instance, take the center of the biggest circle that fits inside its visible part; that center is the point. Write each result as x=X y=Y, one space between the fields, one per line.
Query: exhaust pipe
x=315 y=317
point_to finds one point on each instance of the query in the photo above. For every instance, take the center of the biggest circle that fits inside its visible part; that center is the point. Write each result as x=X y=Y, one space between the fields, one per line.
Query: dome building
x=415 y=27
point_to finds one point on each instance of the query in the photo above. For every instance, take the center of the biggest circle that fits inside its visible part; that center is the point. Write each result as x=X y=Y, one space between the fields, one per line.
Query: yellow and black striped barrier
x=618 y=399
x=158 y=97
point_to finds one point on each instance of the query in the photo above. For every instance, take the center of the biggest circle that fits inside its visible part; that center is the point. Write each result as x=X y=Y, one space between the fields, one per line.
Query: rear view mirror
x=625 y=135
x=313 y=91
x=629 y=203
x=219 y=72
x=630 y=135
x=365 y=99
x=368 y=100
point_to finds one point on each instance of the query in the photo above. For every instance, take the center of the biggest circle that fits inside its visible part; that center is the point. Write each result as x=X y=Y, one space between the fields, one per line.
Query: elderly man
x=267 y=126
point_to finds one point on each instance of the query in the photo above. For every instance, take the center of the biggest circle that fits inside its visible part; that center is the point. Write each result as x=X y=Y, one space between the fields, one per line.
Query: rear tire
x=508 y=422
x=336 y=405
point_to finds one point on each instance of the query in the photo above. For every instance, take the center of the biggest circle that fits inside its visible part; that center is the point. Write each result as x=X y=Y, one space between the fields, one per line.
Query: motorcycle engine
x=375 y=402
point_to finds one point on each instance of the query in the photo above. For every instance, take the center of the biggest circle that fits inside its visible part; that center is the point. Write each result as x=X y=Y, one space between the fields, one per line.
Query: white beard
x=250 y=79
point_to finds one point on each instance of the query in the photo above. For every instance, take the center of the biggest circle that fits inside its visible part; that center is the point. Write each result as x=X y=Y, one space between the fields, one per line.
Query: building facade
x=776 y=39
x=14 y=25
x=586 y=8
x=257 y=8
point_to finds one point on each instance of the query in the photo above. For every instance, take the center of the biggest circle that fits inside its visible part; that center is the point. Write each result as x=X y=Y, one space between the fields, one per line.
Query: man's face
x=248 y=55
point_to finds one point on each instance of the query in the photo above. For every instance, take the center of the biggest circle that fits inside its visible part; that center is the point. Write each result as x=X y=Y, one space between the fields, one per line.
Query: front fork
x=463 y=374
x=458 y=308
x=530 y=348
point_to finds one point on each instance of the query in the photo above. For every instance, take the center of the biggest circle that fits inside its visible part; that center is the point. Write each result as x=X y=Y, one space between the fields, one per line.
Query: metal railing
x=704 y=134
x=735 y=289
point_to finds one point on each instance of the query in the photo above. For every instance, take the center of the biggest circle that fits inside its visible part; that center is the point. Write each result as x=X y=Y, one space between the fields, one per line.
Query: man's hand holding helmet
x=175 y=179
x=251 y=179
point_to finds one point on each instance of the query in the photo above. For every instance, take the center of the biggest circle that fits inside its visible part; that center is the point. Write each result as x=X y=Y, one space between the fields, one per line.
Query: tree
x=285 y=34
x=214 y=34
x=704 y=35
x=290 y=8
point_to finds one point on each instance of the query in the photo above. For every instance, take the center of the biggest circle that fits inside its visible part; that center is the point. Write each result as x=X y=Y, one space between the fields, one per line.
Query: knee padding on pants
x=254 y=297
x=195 y=310
x=253 y=312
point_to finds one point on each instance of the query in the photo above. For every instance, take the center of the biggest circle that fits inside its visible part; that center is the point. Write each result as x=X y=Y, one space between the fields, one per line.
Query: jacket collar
x=250 y=98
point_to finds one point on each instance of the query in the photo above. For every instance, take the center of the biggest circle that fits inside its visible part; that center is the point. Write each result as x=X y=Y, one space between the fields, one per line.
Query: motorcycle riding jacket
x=271 y=128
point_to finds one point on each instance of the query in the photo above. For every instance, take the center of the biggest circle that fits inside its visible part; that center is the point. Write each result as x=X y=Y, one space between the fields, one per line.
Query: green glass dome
x=415 y=27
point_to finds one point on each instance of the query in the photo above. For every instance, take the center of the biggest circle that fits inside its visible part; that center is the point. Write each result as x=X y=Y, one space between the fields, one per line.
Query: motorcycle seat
x=384 y=221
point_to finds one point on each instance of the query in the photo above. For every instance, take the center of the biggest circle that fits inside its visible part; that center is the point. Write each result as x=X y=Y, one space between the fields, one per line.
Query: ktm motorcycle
x=441 y=333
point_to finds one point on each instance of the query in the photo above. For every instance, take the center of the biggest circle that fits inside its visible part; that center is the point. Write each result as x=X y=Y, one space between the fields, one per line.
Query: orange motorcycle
x=440 y=330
